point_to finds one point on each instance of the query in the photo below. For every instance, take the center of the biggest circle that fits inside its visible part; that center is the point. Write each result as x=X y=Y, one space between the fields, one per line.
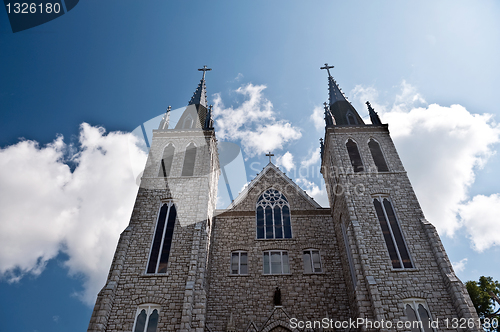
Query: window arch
x=393 y=236
x=166 y=161
x=377 y=155
x=418 y=314
x=146 y=318
x=188 y=122
x=189 y=160
x=351 y=119
x=162 y=240
x=352 y=150
x=273 y=216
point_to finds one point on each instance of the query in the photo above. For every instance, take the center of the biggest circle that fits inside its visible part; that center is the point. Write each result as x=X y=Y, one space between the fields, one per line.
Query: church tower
x=394 y=262
x=159 y=264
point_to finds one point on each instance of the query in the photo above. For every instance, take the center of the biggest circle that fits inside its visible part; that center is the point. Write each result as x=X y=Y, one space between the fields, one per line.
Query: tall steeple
x=343 y=112
x=200 y=95
x=197 y=115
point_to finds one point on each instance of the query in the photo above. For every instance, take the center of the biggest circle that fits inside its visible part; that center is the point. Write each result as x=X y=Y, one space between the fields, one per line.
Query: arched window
x=162 y=240
x=189 y=159
x=392 y=233
x=356 y=162
x=146 y=318
x=188 y=122
x=351 y=119
x=418 y=314
x=378 y=157
x=166 y=161
x=273 y=216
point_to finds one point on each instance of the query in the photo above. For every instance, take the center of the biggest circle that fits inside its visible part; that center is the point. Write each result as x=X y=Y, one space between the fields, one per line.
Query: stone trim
x=149 y=299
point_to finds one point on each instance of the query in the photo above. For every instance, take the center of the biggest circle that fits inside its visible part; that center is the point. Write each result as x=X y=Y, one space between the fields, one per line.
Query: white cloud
x=441 y=148
x=313 y=190
x=480 y=217
x=46 y=209
x=317 y=117
x=253 y=122
x=286 y=161
x=312 y=158
x=459 y=266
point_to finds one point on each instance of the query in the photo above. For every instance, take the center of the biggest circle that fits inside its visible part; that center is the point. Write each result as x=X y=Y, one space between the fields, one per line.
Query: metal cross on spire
x=204 y=70
x=327 y=67
x=269 y=155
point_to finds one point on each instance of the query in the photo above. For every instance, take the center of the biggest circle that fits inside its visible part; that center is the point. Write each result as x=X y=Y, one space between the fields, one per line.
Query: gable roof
x=278 y=172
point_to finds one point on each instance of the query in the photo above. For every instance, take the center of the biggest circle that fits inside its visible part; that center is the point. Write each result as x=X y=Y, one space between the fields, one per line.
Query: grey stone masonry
x=248 y=298
x=381 y=289
x=180 y=293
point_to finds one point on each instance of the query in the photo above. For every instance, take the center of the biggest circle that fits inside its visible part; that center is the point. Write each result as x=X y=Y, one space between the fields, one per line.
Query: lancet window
x=189 y=160
x=418 y=315
x=162 y=240
x=273 y=216
x=166 y=161
x=398 y=252
x=146 y=318
x=356 y=162
x=378 y=156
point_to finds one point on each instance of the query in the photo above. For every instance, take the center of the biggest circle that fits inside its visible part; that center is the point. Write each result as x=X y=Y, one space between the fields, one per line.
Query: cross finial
x=169 y=108
x=327 y=67
x=269 y=155
x=326 y=105
x=204 y=70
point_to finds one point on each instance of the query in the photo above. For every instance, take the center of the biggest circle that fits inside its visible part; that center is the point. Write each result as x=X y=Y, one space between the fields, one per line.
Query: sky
x=73 y=90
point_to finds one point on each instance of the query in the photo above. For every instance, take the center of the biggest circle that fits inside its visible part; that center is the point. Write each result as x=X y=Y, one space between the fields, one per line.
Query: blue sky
x=429 y=68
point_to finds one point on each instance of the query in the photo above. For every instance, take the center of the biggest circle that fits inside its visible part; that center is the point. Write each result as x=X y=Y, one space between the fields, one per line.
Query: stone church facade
x=275 y=260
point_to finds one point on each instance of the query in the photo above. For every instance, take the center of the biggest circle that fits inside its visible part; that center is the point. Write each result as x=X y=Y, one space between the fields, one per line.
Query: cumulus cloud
x=316 y=192
x=480 y=217
x=318 y=118
x=459 y=266
x=442 y=148
x=253 y=123
x=286 y=161
x=312 y=158
x=45 y=208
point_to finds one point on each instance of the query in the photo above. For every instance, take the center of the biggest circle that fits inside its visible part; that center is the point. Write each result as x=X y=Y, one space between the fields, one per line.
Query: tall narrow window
x=162 y=240
x=276 y=262
x=146 y=318
x=392 y=234
x=351 y=119
x=312 y=261
x=239 y=262
x=166 y=161
x=418 y=314
x=273 y=216
x=356 y=162
x=378 y=157
x=189 y=159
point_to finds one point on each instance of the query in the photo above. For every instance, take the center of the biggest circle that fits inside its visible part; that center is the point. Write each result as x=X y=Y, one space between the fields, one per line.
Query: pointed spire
x=200 y=95
x=373 y=115
x=342 y=111
x=165 y=120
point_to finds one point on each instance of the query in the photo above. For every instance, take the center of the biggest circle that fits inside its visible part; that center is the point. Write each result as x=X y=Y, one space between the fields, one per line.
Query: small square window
x=239 y=262
x=276 y=262
x=312 y=261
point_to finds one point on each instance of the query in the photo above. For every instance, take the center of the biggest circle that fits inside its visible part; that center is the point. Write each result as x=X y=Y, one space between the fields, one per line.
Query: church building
x=275 y=260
